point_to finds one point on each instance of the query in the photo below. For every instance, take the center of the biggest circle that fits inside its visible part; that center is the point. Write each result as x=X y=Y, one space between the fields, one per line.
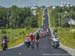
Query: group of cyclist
x=32 y=40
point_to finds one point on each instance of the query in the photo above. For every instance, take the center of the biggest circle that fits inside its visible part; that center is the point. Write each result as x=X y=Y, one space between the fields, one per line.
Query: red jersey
x=32 y=37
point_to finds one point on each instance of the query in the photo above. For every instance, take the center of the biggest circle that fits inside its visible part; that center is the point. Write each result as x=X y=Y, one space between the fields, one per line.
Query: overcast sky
x=22 y=3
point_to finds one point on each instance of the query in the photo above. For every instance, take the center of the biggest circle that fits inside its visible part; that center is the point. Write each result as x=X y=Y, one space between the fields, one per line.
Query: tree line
x=15 y=17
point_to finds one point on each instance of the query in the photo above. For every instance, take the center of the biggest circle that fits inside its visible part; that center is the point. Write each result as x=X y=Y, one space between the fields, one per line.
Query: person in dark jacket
x=37 y=36
x=37 y=39
x=4 y=43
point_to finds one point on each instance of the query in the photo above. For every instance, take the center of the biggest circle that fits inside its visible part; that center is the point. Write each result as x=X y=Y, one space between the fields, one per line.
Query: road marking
x=47 y=54
x=19 y=53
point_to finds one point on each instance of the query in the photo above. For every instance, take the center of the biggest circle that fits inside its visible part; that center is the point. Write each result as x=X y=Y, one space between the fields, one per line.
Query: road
x=45 y=48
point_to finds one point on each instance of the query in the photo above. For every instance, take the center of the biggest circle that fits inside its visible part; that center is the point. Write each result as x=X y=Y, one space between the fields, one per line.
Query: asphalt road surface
x=45 y=48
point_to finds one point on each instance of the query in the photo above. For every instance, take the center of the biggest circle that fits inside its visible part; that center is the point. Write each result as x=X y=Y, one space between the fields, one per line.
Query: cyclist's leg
x=29 y=44
x=26 y=44
x=37 y=43
x=32 y=44
x=4 y=47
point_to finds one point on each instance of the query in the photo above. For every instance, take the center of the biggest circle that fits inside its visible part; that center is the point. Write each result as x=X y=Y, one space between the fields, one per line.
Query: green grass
x=16 y=32
x=67 y=37
x=16 y=36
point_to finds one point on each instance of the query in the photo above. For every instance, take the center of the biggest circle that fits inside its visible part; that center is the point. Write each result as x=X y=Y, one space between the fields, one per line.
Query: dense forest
x=15 y=17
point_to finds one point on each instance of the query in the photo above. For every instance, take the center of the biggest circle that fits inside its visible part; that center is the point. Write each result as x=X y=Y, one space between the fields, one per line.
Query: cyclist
x=4 y=43
x=37 y=39
x=32 y=40
x=27 y=41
